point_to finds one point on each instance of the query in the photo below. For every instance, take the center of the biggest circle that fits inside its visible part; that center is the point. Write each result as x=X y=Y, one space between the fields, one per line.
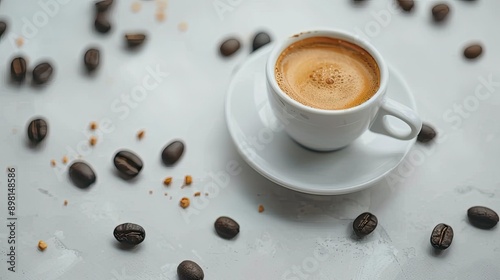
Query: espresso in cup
x=327 y=73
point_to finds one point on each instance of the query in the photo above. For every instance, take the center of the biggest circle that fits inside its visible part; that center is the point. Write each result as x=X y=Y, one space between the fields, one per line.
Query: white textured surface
x=458 y=171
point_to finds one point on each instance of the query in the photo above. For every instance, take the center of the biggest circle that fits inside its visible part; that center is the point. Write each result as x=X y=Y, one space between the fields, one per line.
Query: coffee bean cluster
x=41 y=74
x=101 y=22
x=442 y=234
x=231 y=45
x=440 y=12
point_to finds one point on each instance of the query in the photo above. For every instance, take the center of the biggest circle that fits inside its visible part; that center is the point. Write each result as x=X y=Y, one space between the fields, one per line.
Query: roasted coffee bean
x=482 y=217
x=135 y=39
x=91 y=59
x=441 y=236
x=229 y=47
x=189 y=270
x=37 y=130
x=172 y=152
x=261 y=39
x=426 y=134
x=364 y=224
x=406 y=5
x=128 y=163
x=101 y=23
x=18 y=69
x=81 y=174
x=103 y=6
x=473 y=51
x=226 y=227
x=129 y=233
x=3 y=27
x=42 y=73
x=440 y=12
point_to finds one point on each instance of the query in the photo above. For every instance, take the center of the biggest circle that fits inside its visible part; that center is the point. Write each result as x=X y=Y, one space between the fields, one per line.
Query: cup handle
x=390 y=107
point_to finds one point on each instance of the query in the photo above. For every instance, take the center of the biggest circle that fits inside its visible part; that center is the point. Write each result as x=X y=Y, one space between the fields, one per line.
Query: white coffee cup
x=328 y=130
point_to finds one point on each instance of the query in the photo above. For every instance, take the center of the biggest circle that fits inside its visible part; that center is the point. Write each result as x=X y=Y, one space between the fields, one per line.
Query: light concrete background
x=297 y=236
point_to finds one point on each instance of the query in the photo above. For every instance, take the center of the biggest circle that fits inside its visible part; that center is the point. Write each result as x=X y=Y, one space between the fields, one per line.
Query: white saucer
x=277 y=157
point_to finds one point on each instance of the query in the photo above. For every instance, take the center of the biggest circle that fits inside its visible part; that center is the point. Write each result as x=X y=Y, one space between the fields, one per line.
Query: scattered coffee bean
x=91 y=59
x=82 y=174
x=189 y=270
x=129 y=233
x=42 y=73
x=473 y=51
x=441 y=236
x=3 y=27
x=135 y=40
x=406 y=5
x=103 y=6
x=482 y=217
x=172 y=153
x=426 y=134
x=18 y=69
x=226 y=227
x=364 y=224
x=440 y=12
x=128 y=163
x=101 y=23
x=37 y=130
x=229 y=47
x=261 y=39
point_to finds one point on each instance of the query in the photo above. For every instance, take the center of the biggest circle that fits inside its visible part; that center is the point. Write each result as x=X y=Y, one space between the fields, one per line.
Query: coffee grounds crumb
x=188 y=180
x=150 y=192
x=65 y=159
x=140 y=134
x=197 y=193
x=65 y=202
x=53 y=162
x=160 y=16
x=184 y=203
x=167 y=181
x=206 y=194
x=165 y=194
x=261 y=208
x=161 y=4
x=42 y=245
x=136 y=7
x=20 y=42
x=93 y=141
x=183 y=26
x=93 y=126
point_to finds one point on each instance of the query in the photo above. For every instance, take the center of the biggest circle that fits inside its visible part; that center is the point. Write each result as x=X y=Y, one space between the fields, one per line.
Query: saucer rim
x=313 y=191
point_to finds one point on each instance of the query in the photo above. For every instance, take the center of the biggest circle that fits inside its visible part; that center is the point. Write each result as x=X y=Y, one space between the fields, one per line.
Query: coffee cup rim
x=332 y=33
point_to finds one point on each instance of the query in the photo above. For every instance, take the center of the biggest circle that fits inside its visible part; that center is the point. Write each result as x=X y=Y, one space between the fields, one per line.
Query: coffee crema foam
x=327 y=73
